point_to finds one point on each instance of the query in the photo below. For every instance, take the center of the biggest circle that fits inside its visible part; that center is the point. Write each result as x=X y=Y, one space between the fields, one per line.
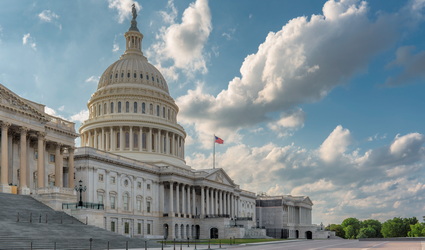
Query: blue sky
x=317 y=98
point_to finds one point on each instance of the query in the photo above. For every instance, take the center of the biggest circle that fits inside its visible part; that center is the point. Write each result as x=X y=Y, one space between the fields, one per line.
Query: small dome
x=133 y=69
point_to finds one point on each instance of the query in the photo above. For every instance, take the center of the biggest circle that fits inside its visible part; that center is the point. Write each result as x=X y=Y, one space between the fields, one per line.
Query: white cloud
x=183 y=43
x=412 y=66
x=82 y=116
x=367 y=188
x=50 y=17
x=52 y=112
x=298 y=64
x=94 y=79
x=124 y=8
x=28 y=40
x=61 y=108
x=335 y=145
x=288 y=121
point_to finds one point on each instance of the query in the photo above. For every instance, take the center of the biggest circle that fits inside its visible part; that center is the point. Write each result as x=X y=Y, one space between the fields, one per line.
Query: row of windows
x=113 y=181
x=164 y=112
x=135 y=75
x=127 y=227
x=126 y=202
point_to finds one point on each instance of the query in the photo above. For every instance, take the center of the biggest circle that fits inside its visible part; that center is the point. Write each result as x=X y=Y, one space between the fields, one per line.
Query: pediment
x=13 y=102
x=220 y=176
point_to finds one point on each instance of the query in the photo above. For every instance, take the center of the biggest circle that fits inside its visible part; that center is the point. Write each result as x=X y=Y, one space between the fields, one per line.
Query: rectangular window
x=148 y=228
x=148 y=206
x=112 y=107
x=126 y=227
x=139 y=205
x=139 y=184
x=163 y=112
x=127 y=107
x=148 y=186
x=157 y=110
x=101 y=177
x=52 y=158
x=119 y=107
x=126 y=202
x=112 y=179
x=143 y=108
x=139 y=228
x=112 y=199
x=135 y=140
x=135 y=107
x=113 y=226
x=100 y=198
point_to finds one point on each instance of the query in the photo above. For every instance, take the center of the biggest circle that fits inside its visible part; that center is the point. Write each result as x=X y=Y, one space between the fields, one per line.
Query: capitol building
x=131 y=162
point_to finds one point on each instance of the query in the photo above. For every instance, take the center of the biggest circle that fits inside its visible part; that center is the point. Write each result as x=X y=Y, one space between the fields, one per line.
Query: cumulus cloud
x=28 y=40
x=81 y=116
x=412 y=65
x=49 y=16
x=367 y=184
x=94 y=79
x=183 y=43
x=124 y=8
x=298 y=64
x=289 y=121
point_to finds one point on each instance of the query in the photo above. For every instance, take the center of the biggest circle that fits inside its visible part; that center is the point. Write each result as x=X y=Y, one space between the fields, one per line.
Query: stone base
x=24 y=191
x=5 y=189
x=55 y=196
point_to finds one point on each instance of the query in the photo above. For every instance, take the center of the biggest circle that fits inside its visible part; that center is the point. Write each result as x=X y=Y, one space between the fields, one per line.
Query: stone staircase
x=26 y=223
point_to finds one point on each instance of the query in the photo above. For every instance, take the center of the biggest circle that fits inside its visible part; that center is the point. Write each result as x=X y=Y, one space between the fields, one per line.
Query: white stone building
x=132 y=161
x=285 y=216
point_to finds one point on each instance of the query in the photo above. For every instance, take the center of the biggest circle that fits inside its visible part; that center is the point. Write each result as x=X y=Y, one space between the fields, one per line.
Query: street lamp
x=80 y=189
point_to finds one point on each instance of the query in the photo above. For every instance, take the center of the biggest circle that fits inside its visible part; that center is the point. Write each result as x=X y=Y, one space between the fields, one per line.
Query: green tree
x=366 y=232
x=397 y=227
x=375 y=225
x=351 y=227
x=339 y=231
x=417 y=230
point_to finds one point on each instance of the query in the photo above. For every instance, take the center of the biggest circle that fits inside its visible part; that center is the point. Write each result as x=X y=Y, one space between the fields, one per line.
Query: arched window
x=135 y=107
x=143 y=108
x=135 y=140
x=127 y=107
x=168 y=112
x=118 y=140
x=127 y=139
x=119 y=107
x=144 y=140
x=126 y=201
x=99 y=109
x=112 y=107
x=153 y=142
x=135 y=75
x=163 y=112
x=104 y=108
x=151 y=109
x=165 y=144
x=157 y=110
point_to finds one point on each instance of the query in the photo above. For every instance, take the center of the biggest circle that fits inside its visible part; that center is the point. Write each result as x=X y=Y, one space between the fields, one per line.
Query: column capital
x=6 y=125
x=41 y=134
x=23 y=130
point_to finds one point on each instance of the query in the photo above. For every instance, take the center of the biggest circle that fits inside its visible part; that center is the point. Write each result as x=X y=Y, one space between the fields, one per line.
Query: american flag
x=218 y=140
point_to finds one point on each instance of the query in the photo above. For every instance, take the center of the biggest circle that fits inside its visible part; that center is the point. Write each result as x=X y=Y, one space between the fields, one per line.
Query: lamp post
x=80 y=189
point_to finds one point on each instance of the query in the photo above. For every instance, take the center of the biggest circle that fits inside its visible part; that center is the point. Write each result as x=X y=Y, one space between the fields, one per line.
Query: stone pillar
x=173 y=145
x=161 y=198
x=178 y=199
x=188 y=202
x=106 y=198
x=194 y=201
x=149 y=140
x=158 y=140
x=58 y=166
x=131 y=138
x=71 y=168
x=207 y=193
x=121 y=139
x=5 y=188
x=167 y=144
x=96 y=139
x=108 y=138
x=183 y=211
x=171 y=200
x=40 y=160
x=113 y=140
x=102 y=140
x=220 y=202
x=23 y=189
x=202 y=213
x=216 y=201
x=141 y=139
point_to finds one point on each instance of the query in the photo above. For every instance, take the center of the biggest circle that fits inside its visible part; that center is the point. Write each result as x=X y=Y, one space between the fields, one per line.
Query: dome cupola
x=132 y=113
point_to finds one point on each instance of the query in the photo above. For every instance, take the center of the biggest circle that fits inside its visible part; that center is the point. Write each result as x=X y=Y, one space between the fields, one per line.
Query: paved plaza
x=313 y=245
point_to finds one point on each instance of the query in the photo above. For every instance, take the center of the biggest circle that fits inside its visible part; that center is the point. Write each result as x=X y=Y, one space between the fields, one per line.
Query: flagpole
x=214 y=152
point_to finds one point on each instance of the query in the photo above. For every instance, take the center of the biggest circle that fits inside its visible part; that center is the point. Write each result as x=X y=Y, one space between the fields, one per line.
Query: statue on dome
x=134 y=11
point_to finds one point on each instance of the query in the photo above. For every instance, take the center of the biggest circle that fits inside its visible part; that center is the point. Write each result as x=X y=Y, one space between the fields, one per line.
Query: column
x=177 y=200
x=113 y=142
x=149 y=140
x=141 y=139
x=183 y=201
x=228 y=204
x=121 y=139
x=194 y=201
x=216 y=201
x=102 y=140
x=71 y=168
x=40 y=160
x=167 y=143
x=161 y=198
x=131 y=138
x=208 y=200
x=173 y=145
x=202 y=202
x=96 y=139
x=58 y=166
x=170 y=205
x=188 y=202
x=90 y=140
x=23 y=189
x=220 y=202
x=158 y=141
x=108 y=138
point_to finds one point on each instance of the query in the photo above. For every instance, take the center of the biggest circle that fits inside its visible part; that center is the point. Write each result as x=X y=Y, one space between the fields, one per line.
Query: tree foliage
x=397 y=227
x=339 y=231
x=351 y=227
x=417 y=230
x=375 y=225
